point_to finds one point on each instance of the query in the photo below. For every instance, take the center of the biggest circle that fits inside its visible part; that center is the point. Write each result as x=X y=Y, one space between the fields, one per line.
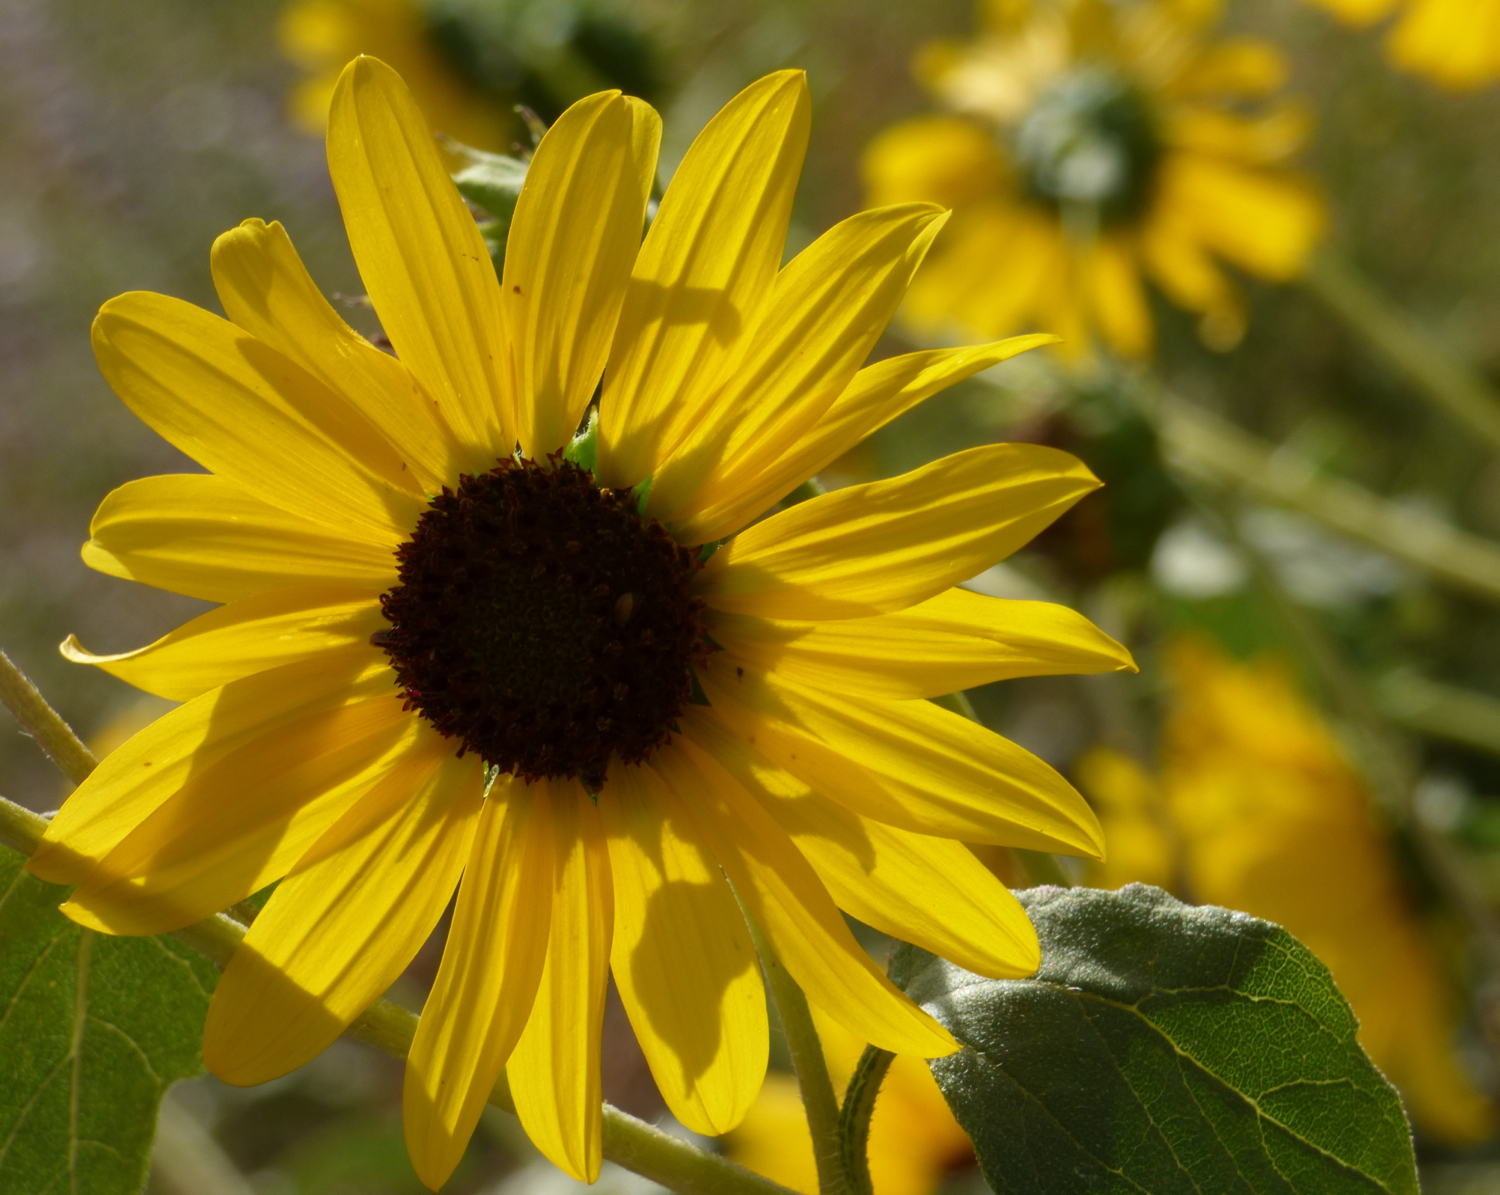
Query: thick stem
x=1443 y=378
x=1213 y=450
x=818 y=1100
x=42 y=723
x=631 y=1143
x=854 y=1117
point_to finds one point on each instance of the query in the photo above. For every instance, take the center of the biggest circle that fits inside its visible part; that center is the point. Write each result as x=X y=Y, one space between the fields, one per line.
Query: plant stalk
x=627 y=1141
x=1211 y=449
x=39 y=720
x=855 y=1116
x=818 y=1100
x=1443 y=378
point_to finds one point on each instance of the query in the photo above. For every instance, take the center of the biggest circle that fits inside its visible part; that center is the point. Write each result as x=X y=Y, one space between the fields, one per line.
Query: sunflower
x=573 y=678
x=1453 y=42
x=1257 y=808
x=1089 y=143
x=321 y=36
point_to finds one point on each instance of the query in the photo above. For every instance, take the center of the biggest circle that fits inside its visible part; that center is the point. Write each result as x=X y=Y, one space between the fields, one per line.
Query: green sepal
x=584 y=449
x=1162 y=1048
x=643 y=495
x=492 y=182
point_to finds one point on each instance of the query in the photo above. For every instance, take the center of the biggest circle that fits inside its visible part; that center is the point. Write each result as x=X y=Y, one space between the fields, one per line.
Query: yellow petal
x=488 y=979
x=347 y=920
x=907 y=763
x=267 y=291
x=817 y=324
x=241 y=822
x=1456 y=43
x=961 y=292
x=794 y=910
x=935 y=159
x=1244 y=66
x=554 y=1071
x=702 y=272
x=242 y=410
x=420 y=255
x=134 y=780
x=1117 y=297
x=957 y=640
x=890 y=544
x=201 y=535
x=930 y=891
x=246 y=637
x=1267 y=222
x=572 y=244
x=877 y=395
x=682 y=959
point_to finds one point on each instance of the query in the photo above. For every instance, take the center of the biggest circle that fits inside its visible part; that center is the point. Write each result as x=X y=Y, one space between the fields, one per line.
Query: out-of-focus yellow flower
x=1089 y=143
x=1453 y=42
x=1271 y=818
x=914 y=1140
x=321 y=36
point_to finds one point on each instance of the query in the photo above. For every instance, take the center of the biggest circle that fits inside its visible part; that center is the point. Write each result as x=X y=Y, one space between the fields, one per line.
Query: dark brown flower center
x=543 y=623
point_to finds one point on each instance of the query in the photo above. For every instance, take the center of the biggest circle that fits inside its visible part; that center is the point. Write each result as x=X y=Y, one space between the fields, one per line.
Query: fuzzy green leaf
x=1162 y=1048
x=93 y=1030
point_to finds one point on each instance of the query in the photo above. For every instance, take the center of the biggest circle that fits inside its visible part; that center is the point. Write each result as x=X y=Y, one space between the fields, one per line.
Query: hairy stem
x=818 y=1100
x=854 y=1117
x=42 y=723
x=629 y=1142
x=1442 y=377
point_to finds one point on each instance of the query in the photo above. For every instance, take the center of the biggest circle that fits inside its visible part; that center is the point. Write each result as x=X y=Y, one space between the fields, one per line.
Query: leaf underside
x=93 y=1030
x=1162 y=1048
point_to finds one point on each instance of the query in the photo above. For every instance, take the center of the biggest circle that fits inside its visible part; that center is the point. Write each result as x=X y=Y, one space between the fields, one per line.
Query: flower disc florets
x=544 y=623
x=1091 y=139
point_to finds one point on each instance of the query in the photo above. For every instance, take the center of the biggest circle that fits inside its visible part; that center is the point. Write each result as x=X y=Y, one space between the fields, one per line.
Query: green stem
x=631 y=1143
x=1440 y=711
x=1040 y=867
x=1208 y=448
x=1443 y=378
x=42 y=723
x=818 y=1100
x=854 y=1117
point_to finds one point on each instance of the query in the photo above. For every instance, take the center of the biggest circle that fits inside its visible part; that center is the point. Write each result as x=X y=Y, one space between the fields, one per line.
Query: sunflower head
x=540 y=622
x=1092 y=139
x=463 y=648
x=1089 y=145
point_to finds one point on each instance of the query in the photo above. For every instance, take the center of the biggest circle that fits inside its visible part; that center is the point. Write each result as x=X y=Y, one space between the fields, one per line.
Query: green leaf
x=93 y=1030
x=1162 y=1048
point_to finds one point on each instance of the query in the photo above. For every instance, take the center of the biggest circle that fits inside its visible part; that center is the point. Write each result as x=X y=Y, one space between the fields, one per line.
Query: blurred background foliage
x=1315 y=733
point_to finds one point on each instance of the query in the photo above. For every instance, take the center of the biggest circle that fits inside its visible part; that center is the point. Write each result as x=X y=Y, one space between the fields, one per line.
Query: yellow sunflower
x=1258 y=809
x=445 y=662
x=321 y=36
x=1090 y=143
x=1453 y=42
